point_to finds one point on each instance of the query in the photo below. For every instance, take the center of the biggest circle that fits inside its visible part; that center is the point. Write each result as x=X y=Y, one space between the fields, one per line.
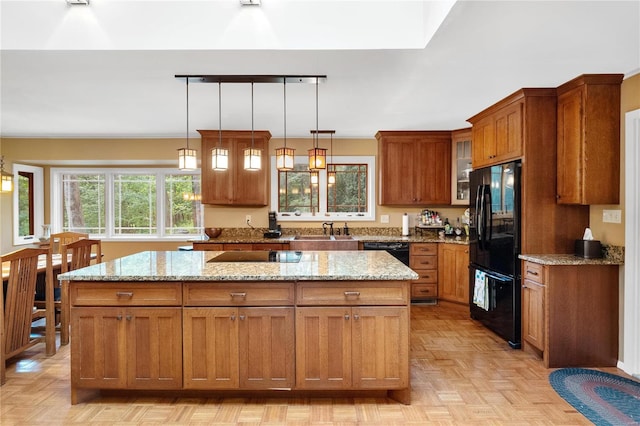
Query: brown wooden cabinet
x=423 y=259
x=570 y=314
x=460 y=166
x=497 y=137
x=533 y=316
x=235 y=186
x=453 y=273
x=415 y=167
x=589 y=140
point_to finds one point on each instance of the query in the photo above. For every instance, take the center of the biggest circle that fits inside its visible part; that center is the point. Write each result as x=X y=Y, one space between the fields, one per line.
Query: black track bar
x=194 y=78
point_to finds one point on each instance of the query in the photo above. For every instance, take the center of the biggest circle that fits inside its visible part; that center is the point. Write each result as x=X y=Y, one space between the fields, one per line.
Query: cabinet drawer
x=426 y=276
x=420 y=249
x=533 y=271
x=125 y=294
x=268 y=246
x=352 y=293
x=241 y=294
x=207 y=246
x=424 y=291
x=423 y=262
x=238 y=247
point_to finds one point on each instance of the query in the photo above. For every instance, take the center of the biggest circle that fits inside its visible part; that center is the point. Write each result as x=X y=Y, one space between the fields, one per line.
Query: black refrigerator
x=494 y=269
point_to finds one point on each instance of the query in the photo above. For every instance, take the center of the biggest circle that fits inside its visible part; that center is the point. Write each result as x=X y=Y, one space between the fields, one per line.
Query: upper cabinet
x=415 y=167
x=589 y=140
x=497 y=136
x=460 y=166
x=235 y=186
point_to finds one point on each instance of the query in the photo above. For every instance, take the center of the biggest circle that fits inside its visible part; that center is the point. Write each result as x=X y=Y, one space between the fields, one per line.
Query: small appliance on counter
x=274 y=229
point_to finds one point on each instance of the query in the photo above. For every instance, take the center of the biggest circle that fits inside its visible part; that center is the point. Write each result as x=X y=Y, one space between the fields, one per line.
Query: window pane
x=296 y=192
x=182 y=207
x=134 y=202
x=25 y=204
x=349 y=193
x=83 y=203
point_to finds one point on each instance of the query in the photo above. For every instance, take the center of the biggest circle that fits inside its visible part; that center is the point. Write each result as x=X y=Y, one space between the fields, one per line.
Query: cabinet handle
x=351 y=293
x=425 y=291
x=242 y=294
x=233 y=317
x=426 y=276
x=524 y=286
x=346 y=316
x=242 y=317
x=124 y=293
x=129 y=317
x=356 y=317
x=531 y=272
x=119 y=317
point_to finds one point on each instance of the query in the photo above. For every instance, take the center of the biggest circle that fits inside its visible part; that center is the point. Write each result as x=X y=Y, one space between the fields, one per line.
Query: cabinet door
x=433 y=171
x=267 y=351
x=380 y=347
x=154 y=347
x=533 y=313
x=250 y=188
x=216 y=185
x=484 y=142
x=570 y=163
x=210 y=348
x=397 y=171
x=453 y=273
x=509 y=133
x=460 y=166
x=323 y=348
x=98 y=348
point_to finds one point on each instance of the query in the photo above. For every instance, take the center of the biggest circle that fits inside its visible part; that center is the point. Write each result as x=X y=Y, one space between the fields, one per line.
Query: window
x=28 y=204
x=294 y=198
x=135 y=203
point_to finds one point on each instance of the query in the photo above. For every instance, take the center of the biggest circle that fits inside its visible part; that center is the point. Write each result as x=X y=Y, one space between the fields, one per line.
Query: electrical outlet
x=248 y=219
x=384 y=218
x=612 y=216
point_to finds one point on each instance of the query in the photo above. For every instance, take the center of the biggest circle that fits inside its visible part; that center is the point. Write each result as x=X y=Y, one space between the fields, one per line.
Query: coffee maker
x=274 y=229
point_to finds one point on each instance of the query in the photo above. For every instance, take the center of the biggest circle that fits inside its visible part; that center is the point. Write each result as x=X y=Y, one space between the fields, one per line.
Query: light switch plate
x=612 y=216
x=384 y=218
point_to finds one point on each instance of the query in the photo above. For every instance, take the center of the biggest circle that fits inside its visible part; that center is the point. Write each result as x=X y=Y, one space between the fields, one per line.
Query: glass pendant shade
x=220 y=159
x=187 y=159
x=317 y=158
x=331 y=178
x=7 y=182
x=284 y=158
x=314 y=178
x=252 y=159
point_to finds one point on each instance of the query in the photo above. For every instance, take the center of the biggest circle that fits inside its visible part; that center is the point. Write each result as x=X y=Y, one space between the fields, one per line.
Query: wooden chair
x=17 y=308
x=56 y=241
x=79 y=254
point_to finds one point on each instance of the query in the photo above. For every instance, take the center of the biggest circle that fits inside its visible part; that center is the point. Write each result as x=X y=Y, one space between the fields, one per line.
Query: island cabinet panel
x=352 y=293
x=126 y=294
x=415 y=167
x=235 y=186
x=239 y=294
x=134 y=348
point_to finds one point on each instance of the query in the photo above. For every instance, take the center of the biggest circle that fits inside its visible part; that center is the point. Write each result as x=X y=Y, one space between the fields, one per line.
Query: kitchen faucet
x=324 y=228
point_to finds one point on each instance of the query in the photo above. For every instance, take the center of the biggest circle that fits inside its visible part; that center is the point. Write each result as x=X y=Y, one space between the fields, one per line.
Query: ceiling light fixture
x=187 y=159
x=78 y=2
x=284 y=155
x=317 y=156
x=250 y=2
x=7 y=178
x=252 y=156
x=219 y=155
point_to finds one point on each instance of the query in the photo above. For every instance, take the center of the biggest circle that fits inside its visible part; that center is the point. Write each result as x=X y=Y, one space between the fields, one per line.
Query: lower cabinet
x=135 y=348
x=238 y=348
x=423 y=258
x=453 y=273
x=533 y=317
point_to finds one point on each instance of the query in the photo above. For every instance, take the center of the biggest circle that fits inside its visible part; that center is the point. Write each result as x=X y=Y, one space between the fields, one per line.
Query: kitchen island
x=283 y=323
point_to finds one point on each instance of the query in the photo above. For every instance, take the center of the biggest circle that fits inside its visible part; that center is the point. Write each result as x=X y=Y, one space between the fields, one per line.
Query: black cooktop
x=259 y=256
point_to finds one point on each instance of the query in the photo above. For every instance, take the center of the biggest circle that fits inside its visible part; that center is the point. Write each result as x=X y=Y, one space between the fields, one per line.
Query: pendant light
x=317 y=156
x=7 y=178
x=284 y=155
x=252 y=156
x=219 y=155
x=187 y=157
x=331 y=175
x=314 y=177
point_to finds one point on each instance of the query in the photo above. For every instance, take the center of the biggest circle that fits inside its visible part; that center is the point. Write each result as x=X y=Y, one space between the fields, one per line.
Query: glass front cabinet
x=461 y=167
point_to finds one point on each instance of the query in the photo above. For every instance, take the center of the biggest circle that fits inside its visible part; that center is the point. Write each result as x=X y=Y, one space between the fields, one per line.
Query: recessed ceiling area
x=106 y=70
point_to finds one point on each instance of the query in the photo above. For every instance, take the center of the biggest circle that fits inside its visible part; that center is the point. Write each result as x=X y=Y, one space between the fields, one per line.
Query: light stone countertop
x=568 y=260
x=194 y=266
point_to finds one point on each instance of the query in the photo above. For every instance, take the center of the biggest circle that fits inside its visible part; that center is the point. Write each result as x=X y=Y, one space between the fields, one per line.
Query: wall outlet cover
x=612 y=216
x=384 y=218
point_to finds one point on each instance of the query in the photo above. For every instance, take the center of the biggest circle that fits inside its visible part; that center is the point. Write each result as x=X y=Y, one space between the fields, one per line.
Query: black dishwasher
x=399 y=250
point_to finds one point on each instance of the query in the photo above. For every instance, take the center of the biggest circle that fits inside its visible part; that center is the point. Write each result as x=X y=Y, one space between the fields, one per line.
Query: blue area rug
x=603 y=398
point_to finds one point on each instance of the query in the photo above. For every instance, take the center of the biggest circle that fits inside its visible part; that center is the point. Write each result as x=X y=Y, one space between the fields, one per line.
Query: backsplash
x=258 y=232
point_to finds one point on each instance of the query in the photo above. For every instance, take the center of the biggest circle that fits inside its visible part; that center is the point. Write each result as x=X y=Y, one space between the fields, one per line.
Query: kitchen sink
x=323 y=242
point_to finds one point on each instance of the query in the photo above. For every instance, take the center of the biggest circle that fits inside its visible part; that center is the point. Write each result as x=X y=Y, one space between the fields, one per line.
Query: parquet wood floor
x=461 y=373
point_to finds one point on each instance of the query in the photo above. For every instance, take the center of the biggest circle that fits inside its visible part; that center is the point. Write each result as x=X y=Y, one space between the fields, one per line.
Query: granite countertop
x=569 y=260
x=194 y=266
x=428 y=237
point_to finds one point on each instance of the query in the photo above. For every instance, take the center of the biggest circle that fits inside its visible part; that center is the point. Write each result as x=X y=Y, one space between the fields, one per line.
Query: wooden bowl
x=213 y=232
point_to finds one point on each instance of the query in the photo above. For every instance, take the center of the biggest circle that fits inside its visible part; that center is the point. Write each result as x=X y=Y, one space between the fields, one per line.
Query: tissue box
x=589 y=249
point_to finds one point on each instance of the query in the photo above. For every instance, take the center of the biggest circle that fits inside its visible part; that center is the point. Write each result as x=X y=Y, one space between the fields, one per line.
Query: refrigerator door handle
x=489 y=235
x=479 y=200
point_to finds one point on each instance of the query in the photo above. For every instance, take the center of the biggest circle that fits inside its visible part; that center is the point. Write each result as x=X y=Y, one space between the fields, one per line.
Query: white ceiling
x=107 y=69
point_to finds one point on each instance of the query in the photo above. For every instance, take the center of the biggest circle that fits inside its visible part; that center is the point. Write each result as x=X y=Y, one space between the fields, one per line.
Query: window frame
x=110 y=235
x=323 y=215
x=38 y=203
